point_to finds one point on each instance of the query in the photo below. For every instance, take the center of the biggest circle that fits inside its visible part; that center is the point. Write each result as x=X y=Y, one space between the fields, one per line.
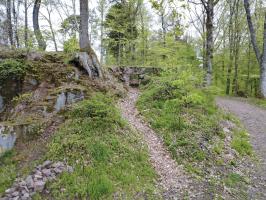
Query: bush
x=12 y=69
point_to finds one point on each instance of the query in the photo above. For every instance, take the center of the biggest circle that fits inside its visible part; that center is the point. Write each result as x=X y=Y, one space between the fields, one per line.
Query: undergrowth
x=109 y=159
x=184 y=113
x=7 y=170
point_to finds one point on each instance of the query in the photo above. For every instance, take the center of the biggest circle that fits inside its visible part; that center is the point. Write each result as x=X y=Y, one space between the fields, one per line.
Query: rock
x=34 y=56
x=39 y=186
x=25 y=196
x=25 y=189
x=74 y=97
x=29 y=181
x=22 y=183
x=10 y=190
x=46 y=164
x=60 y=102
x=46 y=172
x=14 y=194
x=58 y=170
x=7 y=138
x=58 y=164
x=38 y=172
x=70 y=169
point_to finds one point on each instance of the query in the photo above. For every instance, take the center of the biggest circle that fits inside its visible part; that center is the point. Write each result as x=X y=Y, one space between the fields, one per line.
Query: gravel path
x=254 y=120
x=173 y=179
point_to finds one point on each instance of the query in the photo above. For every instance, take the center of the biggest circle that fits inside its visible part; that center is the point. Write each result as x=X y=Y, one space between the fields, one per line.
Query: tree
x=261 y=57
x=87 y=57
x=49 y=9
x=26 y=23
x=36 y=27
x=102 y=4
x=209 y=24
x=9 y=22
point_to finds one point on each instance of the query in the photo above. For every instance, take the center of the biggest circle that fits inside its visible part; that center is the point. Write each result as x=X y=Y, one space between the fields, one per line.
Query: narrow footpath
x=174 y=181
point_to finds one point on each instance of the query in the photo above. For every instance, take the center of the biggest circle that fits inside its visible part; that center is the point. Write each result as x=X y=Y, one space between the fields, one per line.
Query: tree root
x=90 y=63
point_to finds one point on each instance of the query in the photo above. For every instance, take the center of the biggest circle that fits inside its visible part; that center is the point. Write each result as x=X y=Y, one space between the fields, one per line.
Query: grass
x=7 y=170
x=184 y=113
x=259 y=102
x=241 y=143
x=233 y=179
x=108 y=157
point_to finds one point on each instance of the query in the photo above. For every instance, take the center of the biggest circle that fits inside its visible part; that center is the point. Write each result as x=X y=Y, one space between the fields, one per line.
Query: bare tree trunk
x=84 y=41
x=87 y=57
x=26 y=23
x=237 y=39
x=209 y=41
x=9 y=22
x=36 y=27
x=49 y=20
x=248 y=67
x=15 y=17
x=260 y=57
x=263 y=64
x=102 y=24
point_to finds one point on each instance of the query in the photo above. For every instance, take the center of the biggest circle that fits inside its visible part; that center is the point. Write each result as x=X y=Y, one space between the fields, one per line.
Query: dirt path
x=173 y=179
x=254 y=120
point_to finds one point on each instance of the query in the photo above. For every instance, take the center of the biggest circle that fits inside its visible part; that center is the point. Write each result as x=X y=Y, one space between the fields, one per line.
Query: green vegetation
x=241 y=143
x=259 y=102
x=233 y=179
x=108 y=157
x=11 y=69
x=184 y=113
x=7 y=170
x=71 y=45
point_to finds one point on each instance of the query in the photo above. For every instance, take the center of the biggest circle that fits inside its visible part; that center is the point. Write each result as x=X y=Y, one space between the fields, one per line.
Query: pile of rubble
x=24 y=189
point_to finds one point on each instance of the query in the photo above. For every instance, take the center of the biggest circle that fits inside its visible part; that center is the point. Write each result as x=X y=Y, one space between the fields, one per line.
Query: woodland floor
x=173 y=180
x=254 y=120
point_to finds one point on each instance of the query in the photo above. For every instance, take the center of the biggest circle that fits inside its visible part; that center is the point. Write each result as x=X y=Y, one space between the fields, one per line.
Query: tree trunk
x=261 y=58
x=9 y=22
x=263 y=64
x=51 y=27
x=15 y=17
x=26 y=23
x=84 y=41
x=209 y=41
x=87 y=57
x=102 y=24
x=36 y=27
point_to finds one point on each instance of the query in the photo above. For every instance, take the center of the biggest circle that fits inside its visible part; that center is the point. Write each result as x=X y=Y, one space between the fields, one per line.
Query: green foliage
x=12 y=69
x=108 y=157
x=233 y=179
x=71 y=45
x=241 y=143
x=7 y=171
x=182 y=111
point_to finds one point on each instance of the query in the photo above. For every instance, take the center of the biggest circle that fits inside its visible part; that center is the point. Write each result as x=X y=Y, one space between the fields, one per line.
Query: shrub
x=12 y=69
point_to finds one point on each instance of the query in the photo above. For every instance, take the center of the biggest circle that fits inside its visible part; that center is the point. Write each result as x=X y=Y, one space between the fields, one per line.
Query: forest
x=132 y=99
